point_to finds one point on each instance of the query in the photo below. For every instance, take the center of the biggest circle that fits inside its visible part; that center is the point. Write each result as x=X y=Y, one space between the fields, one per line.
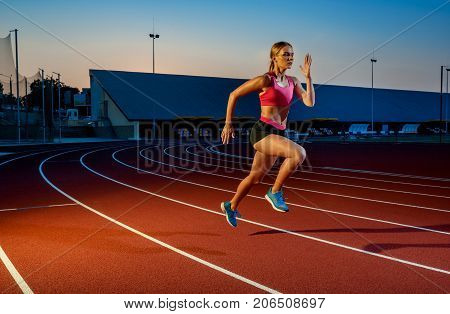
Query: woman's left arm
x=308 y=96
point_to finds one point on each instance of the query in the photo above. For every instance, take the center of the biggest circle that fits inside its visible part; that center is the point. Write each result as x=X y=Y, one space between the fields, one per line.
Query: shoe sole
x=225 y=212
x=273 y=206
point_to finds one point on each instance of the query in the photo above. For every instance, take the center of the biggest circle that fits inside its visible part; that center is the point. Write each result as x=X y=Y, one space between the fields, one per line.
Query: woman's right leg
x=293 y=153
x=262 y=163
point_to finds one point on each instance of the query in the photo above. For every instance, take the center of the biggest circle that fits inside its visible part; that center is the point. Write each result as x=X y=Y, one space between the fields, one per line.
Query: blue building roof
x=141 y=96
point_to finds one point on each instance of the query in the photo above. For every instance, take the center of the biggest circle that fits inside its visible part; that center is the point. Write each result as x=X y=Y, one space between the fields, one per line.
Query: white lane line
x=23 y=156
x=14 y=273
x=351 y=177
x=47 y=151
x=401 y=175
x=390 y=174
x=259 y=197
x=221 y=159
x=154 y=240
x=372 y=179
x=32 y=154
x=32 y=207
x=334 y=175
x=209 y=148
x=260 y=224
x=64 y=161
x=319 y=181
x=327 y=193
x=346 y=176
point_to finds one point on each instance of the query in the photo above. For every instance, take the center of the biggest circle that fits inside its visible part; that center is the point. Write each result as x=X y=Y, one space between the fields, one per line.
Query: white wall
x=96 y=99
x=116 y=117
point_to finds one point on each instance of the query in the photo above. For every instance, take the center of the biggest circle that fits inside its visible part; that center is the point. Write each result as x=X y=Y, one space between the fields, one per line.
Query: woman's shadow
x=376 y=247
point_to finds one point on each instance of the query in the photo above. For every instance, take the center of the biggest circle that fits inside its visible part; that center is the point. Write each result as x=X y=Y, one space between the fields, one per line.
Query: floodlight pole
x=59 y=105
x=373 y=60
x=153 y=37
x=440 y=114
x=43 y=101
x=51 y=104
x=446 y=104
x=17 y=86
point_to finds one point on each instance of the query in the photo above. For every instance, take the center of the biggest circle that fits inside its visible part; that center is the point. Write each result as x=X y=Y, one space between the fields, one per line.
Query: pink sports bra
x=275 y=95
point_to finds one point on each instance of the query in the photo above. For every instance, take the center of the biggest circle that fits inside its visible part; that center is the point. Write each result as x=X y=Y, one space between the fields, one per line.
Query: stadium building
x=129 y=102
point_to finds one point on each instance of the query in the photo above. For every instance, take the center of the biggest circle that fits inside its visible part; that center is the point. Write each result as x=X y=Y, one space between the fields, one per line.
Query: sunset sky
x=233 y=38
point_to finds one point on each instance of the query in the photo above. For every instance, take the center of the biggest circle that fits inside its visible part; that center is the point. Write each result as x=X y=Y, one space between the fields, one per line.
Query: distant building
x=82 y=102
x=87 y=92
x=79 y=99
x=68 y=98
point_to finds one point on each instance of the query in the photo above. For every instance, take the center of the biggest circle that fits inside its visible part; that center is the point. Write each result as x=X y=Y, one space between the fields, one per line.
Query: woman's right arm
x=253 y=85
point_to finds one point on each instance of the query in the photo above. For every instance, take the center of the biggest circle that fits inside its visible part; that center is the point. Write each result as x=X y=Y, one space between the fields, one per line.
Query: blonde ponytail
x=272 y=65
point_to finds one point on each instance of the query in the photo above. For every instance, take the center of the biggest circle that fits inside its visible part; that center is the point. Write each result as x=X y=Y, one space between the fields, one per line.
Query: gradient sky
x=233 y=38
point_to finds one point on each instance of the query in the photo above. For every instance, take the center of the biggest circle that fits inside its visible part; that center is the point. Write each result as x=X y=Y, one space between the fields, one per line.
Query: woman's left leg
x=294 y=155
x=261 y=165
x=281 y=146
x=288 y=166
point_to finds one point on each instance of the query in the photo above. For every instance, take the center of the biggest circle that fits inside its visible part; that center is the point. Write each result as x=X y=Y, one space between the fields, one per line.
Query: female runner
x=276 y=91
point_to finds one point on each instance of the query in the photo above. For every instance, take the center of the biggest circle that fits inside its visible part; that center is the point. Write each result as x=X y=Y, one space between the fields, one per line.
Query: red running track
x=72 y=249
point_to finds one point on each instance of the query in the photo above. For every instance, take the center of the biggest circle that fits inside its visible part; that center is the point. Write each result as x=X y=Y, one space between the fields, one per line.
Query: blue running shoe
x=229 y=213
x=277 y=200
